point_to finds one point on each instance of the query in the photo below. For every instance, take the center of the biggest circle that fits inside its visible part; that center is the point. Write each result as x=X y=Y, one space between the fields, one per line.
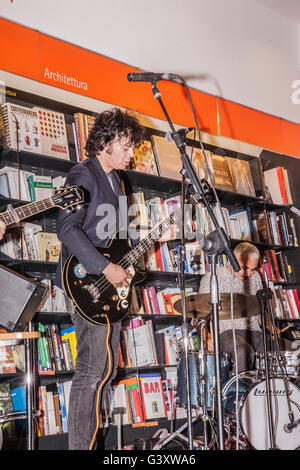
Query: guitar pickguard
x=123 y=291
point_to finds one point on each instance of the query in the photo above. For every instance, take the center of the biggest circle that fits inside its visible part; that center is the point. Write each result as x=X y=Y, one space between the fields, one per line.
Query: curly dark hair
x=108 y=125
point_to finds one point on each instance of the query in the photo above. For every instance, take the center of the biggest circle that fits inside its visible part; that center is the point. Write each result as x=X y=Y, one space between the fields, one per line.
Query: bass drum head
x=254 y=415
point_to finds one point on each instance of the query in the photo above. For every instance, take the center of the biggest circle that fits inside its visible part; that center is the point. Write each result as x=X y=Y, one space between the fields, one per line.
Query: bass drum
x=253 y=411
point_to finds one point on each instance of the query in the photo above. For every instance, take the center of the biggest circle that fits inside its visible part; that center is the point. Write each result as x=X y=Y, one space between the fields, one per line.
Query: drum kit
x=244 y=395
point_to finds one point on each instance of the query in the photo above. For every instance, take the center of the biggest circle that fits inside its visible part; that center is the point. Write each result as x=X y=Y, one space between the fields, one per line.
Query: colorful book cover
x=53 y=133
x=152 y=396
x=22 y=128
x=144 y=160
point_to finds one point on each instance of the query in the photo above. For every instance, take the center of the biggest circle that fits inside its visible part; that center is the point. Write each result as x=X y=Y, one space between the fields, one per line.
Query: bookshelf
x=151 y=186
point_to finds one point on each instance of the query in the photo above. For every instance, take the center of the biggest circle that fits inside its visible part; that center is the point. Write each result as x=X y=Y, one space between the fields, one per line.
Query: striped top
x=228 y=282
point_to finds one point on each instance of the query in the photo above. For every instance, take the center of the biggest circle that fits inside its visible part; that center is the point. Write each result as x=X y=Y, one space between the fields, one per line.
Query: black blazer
x=91 y=225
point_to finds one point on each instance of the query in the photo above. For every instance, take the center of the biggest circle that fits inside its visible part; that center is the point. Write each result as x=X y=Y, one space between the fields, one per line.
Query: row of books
x=53 y=403
x=147 y=300
x=56 y=348
x=160 y=157
x=286 y=301
x=31 y=243
x=142 y=398
x=27 y=186
x=142 y=345
x=43 y=131
x=150 y=211
x=146 y=396
x=278 y=267
x=160 y=257
x=278 y=185
x=258 y=225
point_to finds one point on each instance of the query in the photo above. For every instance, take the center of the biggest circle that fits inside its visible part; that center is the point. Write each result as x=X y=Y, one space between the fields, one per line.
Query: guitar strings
x=103 y=284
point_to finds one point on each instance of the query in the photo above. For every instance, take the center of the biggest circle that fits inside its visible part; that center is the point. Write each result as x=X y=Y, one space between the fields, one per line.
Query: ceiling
x=288 y=8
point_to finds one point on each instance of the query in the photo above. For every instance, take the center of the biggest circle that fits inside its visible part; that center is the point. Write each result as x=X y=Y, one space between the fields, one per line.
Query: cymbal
x=199 y=306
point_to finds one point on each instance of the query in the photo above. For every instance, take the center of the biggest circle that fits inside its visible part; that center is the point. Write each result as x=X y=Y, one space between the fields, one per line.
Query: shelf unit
x=151 y=185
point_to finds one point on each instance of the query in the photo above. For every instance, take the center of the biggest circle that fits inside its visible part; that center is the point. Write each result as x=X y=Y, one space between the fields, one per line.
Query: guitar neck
x=155 y=235
x=10 y=217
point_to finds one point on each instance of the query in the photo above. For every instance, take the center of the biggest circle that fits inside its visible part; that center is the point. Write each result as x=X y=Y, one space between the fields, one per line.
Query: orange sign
x=34 y=55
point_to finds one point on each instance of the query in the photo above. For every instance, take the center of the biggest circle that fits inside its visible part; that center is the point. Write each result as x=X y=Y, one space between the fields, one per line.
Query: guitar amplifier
x=20 y=297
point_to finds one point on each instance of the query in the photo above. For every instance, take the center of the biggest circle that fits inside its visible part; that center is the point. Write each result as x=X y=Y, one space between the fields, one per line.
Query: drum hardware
x=252 y=412
x=198 y=306
x=265 y=297
x=199 y=388
x=290 y=361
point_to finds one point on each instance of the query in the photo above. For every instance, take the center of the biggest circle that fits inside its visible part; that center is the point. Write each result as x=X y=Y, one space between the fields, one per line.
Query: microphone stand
x=215 y=243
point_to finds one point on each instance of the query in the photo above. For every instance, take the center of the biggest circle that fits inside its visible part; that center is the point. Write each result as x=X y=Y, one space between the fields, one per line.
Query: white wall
x=238 y=49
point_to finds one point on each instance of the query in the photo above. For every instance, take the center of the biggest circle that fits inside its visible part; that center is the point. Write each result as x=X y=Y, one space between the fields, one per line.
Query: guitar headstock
x=69 y=197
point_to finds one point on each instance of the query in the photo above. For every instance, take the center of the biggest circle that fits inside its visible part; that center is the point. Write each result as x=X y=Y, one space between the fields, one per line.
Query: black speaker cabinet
x=20 y=297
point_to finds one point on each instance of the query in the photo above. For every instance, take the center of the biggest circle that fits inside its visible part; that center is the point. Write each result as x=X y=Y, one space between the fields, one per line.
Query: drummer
x=247 y=281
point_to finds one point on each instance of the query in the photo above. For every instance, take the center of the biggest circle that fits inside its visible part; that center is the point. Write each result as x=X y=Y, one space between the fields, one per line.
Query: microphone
x=183 y=132
x=149 y=76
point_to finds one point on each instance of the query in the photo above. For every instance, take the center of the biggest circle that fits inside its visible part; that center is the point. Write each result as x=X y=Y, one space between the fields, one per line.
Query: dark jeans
x=247 y=344
x=91 y=368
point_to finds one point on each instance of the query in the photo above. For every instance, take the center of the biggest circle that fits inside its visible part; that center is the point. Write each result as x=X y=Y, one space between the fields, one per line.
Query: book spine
x=8 y=139
x=279 y=171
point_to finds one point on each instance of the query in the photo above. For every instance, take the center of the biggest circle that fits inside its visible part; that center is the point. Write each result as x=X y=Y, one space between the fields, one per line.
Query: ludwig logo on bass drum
x=279 y=393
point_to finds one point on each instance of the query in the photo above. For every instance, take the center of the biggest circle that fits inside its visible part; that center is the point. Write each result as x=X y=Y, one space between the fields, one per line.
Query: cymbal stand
x=265 y=296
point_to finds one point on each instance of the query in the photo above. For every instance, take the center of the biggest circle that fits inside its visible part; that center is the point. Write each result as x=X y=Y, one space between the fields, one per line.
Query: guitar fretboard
x=144 y=245
x=26 y=211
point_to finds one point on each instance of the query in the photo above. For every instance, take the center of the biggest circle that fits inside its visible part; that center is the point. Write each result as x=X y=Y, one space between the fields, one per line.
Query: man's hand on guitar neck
x=116 y=275
x=2 y=229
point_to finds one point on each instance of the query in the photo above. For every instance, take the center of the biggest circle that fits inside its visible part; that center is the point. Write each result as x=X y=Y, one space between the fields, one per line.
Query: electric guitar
x=94 y=296
x=66 y=198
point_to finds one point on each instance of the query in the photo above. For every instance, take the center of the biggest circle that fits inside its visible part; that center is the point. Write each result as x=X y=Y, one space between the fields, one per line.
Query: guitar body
x=94 y=296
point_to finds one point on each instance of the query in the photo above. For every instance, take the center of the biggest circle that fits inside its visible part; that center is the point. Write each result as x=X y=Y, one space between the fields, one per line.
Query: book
x=40 y=187
x=15 y=185
x=6 y=406
x=143 y=159
x=119 y=404
x=199 y=163
x=167 y=157
x=53 y=133
x=48 y=247
x=22 y=128
x=2 y=127
x=222 y=176
x=152 y=396
x=241 y=176
x=70 y=335
x=262 y=225
x=241 y=224
x=83 y=125
x=7 y=364
x=277 y=182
